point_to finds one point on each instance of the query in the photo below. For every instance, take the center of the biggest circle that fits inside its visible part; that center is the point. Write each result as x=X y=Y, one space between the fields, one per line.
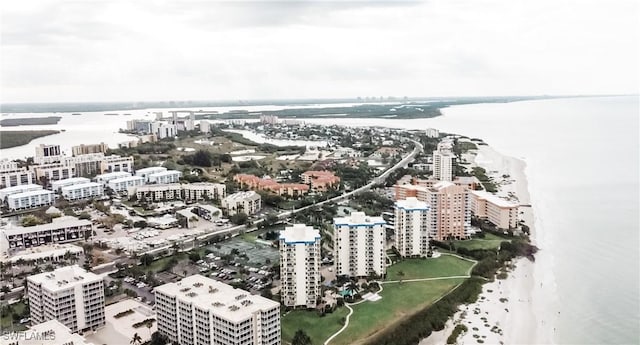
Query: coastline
x=504 y=306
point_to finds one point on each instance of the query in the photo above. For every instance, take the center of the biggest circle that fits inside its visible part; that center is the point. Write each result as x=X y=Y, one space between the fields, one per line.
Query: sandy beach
x=505 y=312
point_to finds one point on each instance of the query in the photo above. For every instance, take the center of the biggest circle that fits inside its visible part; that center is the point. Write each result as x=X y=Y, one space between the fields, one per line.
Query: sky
x=103 y=50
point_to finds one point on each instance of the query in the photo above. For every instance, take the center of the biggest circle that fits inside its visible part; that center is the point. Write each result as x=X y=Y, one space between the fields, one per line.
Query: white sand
x=515 y=319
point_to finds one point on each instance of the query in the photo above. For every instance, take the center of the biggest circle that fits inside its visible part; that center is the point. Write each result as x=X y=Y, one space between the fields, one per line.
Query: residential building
x=11 y=175
x=188 y=192
x=105 y=178
x=145 y=172
x=45 y=173
x=83 y=149
x=432 y=133
x=30 y=199
x=56 y=185
x=115 y=163
x=164 y=177
x=321 y=181
x=70 y=295
x=121 y=185
x=201 y=311
x=411 y=227
x=163 y=130
x=205 y=126
x=300 y=266
x=256 y=183
x=500 y=212
x=444 y=161
x=64 y=229
x=82 y=191
x=46 y=154
x=268 y=119
x=85 y=165
x=51 y=332
x=139 y=126
x=359 y=245
x=248 y=202
x=5 y=192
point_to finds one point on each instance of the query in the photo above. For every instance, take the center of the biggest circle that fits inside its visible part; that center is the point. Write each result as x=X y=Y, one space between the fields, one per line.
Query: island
x=30 y=121
x=18 y=138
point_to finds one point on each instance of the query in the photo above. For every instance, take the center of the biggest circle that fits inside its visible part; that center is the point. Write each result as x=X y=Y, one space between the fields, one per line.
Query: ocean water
x=582 y=158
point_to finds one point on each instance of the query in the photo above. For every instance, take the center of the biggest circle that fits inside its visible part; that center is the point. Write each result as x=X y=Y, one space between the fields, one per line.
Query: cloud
x=136 y=50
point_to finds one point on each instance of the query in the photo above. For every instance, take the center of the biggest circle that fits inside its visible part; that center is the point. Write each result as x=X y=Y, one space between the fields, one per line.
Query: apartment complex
x=52 y=171
x=122 y=184
x=83 y=149
x=164 y=177
x=201 y=311
x=61 y=230
x=57 y=185
x=82 y=191
x=432 y=133
x=85 y=164
x=5 y=192
x=359 y=245
x=105 y=178
x=501 y=213
x=11 y=175
x=411 y=227
x=300 y=266
x=321 y=181
x=248 y=202
x=115 y=163
x=145 y=172
x=70 y=295
x=444 y=161
x=46 y=154
x=256 y=183
x=30 y=199
x=176 y=191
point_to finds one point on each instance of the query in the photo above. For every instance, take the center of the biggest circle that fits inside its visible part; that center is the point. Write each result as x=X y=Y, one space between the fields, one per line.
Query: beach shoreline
x=505 y=311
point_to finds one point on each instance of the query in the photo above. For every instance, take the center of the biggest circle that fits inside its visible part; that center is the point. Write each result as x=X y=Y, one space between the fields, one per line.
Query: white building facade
x=300 y=266
x=120 y=185
x=411 y=231
x=248 y=202
x=145 y=172
x=443 y=161
x=201 y=311
x=164 y=177
x=82 y=191
x=70 y=295
x=30 y=199
x=61 y=230
x=359 y=245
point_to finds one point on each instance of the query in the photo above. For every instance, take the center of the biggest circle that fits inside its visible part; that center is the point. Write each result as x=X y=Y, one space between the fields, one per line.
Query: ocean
x=582 y=157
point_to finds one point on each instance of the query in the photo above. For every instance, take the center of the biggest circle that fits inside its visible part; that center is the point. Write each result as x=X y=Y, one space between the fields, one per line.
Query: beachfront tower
x=411 y=227
x=300 y=266
x=443 y=161
x=359 y=245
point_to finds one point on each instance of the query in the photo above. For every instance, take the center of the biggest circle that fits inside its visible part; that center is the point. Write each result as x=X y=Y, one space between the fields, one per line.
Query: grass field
x=5 y=322
x=490 y=241
x=398 y=301
x=18 y=138
x=444 y=266
x=318 y=328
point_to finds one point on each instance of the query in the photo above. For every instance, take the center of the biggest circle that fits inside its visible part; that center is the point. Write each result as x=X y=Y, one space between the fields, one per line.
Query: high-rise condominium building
x=300 y=265
x=443 y=161
x=411 y=228
x=70 y=295
x=359 y=245
x=201 y=311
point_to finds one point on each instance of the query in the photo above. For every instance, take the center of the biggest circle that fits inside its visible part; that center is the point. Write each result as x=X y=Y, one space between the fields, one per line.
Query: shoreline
x=504 y=312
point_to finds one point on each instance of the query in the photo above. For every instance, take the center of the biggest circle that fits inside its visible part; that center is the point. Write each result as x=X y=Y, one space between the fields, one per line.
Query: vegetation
x=159 y=147
x=487 y=241
x=316 y=327
x=204 y=158
x=481 y=174
x=30 y=121
x=373 y=203
x=301 y=338
x=123 y=313
x=443 y=266
x=239 y=218
x=143 y=323
x=18 y=138
x=452 y=339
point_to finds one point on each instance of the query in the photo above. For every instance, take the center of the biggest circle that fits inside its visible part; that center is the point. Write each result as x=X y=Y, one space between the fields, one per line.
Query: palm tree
x=149 y=323
x=136 y=339
x=351 y=288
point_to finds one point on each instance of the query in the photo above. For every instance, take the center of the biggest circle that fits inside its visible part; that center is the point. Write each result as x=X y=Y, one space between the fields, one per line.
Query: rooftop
x=494 y=199
x=165 y=173
x=299 y=233
x=21 y=188
x=114 y=174
x=125 y=179
x=70 y=180
x=242 y=195
x=81 y=185
x=411 y=203
x=52 y=332
x=58 y=223
x=359 y=218
x=223 y=300
x=63 y=278
x=29 y=193
x=150 y=169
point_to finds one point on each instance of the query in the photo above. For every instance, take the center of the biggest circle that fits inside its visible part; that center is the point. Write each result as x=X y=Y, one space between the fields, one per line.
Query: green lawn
x=444 y=266
x=5 y=322
x=398 y=301
x=490 y=241
x=318 y=328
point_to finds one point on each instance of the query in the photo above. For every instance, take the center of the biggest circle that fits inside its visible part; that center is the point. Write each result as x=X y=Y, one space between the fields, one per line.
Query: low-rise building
x=64 y=229
x=11 y=175
x=105 y=178
x=500 y=212
x=86 y=164
x=164 y=177
x=321 y=181
x=145 y=172
x=52 y=172
x=57 y=185
x=82 y=191
x=5 y=192
x=300 y=266
x=121 y=185
x=187 y=192
x=248 y=202
x=256 y=183
x=204 y=191
x=30 y=199
x=70 y=295
x=359 y=245
x=51 y=332
x=200 y=310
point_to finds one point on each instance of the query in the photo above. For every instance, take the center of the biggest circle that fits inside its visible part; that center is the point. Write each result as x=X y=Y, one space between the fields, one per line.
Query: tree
x=239 y=218
x=136 y=340
x=158 y=338
x=84 y=215
x=149 y=323
x=301 y=338
x=194 y=256
x=140 y=224
x=146 y=259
